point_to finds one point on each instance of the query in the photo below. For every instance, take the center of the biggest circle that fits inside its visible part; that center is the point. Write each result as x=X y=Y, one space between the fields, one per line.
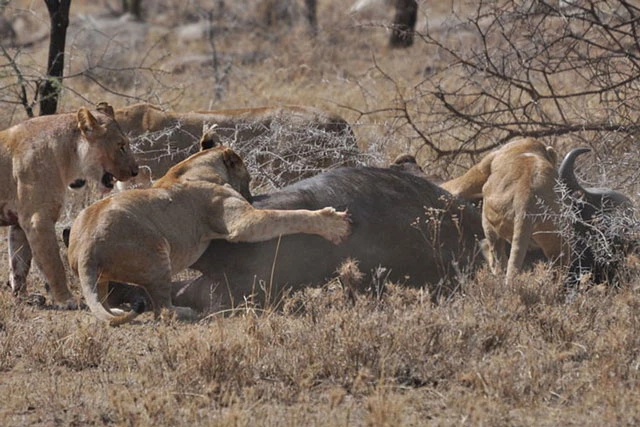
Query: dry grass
x=491 y=355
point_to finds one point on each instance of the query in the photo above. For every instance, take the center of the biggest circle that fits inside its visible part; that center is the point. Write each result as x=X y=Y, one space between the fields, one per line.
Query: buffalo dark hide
x=401 y=222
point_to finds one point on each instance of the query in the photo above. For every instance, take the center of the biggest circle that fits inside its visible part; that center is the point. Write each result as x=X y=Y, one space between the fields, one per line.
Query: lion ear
x=231 y=159
x=88 y=124
x=105 y=108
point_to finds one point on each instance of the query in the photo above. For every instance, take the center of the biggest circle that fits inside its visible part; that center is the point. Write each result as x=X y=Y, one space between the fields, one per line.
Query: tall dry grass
x=493 y=355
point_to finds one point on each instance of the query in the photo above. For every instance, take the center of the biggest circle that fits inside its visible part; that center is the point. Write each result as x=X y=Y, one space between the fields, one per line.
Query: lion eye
x=123 y=148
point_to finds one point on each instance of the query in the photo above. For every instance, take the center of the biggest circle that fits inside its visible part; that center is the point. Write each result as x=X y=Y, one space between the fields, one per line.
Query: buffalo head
x=599 y=227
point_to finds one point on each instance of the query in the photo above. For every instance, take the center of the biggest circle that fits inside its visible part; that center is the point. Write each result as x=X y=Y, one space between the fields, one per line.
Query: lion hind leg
x=493 y=245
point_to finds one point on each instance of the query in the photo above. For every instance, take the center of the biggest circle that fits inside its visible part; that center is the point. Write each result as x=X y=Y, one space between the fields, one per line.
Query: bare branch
x=22 y=82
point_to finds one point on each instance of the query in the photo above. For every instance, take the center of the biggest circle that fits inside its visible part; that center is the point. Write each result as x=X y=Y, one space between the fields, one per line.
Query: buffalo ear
x=207 y=142
x=231 y=159
x=209 y=139
x=88 y=124
x=106 y=109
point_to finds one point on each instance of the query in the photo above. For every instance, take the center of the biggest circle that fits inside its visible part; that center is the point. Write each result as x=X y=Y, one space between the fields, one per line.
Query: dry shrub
x=283 y=153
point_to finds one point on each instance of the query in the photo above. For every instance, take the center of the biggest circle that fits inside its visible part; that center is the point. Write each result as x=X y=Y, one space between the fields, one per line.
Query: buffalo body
x=401 y=222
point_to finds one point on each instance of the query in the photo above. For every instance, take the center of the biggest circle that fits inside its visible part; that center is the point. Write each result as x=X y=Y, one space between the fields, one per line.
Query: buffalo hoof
x=139 y=305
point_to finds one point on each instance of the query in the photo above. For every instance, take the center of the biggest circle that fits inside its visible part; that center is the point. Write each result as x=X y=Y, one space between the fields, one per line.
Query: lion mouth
x=108 y=180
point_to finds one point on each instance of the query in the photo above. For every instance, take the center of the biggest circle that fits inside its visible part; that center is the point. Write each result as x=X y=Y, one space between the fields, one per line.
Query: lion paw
x=328 y=211
x=339 y=226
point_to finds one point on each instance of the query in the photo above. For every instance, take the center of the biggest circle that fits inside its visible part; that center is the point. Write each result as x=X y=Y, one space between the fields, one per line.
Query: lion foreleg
x=493 y=252
x=246 y=224
x=522 y=230
x=42 y=238
x=552 y=244
x=20 y=259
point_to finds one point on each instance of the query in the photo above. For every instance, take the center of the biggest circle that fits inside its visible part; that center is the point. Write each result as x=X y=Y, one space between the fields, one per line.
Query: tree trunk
x=50 y=89
x=312 y=17
x=404 y=23
x=133 y=7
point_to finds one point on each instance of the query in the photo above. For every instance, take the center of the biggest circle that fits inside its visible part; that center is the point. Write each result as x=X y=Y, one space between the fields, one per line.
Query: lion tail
x=94 y=289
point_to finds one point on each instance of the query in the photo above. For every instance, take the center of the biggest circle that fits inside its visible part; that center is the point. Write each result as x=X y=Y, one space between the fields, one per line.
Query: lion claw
x=343 y=229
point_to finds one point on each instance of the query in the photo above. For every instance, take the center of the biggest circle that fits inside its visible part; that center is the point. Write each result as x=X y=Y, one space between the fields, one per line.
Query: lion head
x=106 y=152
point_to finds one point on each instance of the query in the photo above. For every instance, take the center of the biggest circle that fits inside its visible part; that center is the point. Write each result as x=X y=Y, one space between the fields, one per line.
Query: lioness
x=39 y=159
x=516 y=183
x=144 y=236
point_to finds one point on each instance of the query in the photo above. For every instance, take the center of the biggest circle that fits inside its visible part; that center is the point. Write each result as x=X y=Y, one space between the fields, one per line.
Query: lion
x=39 y=159
x=145 y=236
x=517 y=184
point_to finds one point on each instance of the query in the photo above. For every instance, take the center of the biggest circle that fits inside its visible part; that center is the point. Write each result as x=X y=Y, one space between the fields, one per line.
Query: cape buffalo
x=401 y=222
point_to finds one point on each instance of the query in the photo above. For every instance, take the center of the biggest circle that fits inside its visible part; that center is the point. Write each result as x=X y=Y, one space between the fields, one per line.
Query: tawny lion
x=517 y=184
x=39 y=159
x=145 y=236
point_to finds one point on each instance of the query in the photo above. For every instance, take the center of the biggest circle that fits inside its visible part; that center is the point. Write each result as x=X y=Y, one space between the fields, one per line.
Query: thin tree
x=133 y=7
x=49 y=90
x=404 y=23
x=312 y=16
